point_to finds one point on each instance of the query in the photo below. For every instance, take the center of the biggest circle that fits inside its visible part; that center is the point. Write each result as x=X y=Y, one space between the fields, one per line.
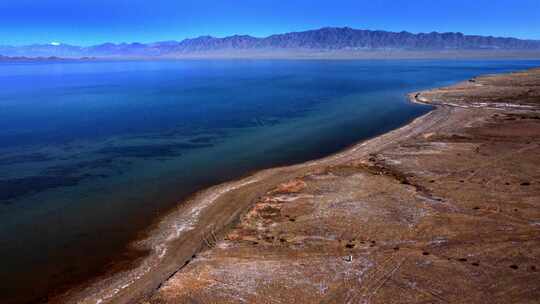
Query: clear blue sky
x=88 y=22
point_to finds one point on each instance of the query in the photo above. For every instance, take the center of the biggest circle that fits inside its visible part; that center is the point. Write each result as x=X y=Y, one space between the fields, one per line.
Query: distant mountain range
x=328 y=39
x=50 y=58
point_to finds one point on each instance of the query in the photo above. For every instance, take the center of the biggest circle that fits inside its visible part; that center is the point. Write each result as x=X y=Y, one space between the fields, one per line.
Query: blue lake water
x=92 y=152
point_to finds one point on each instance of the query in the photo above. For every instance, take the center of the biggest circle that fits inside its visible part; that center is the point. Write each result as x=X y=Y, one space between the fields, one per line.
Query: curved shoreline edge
x=182 y=227
x=207 y=215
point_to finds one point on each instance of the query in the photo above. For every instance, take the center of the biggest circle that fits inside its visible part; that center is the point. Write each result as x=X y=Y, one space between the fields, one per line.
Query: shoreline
x=169 y=227
x=180 y=235
x=449 y=213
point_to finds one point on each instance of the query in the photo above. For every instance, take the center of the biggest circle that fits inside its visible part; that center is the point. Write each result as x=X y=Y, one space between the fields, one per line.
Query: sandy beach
x=444 y=209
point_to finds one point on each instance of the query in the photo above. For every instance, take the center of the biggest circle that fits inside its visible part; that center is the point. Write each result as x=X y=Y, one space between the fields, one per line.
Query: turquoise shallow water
x=92 y=152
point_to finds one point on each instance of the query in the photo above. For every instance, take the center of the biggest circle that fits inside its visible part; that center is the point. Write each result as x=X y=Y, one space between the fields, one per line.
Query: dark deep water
x=91 y=152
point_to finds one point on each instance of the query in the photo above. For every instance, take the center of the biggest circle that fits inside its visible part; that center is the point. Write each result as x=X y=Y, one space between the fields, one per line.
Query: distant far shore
x=356 y=54
x=307 y=55
x=41 y=58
